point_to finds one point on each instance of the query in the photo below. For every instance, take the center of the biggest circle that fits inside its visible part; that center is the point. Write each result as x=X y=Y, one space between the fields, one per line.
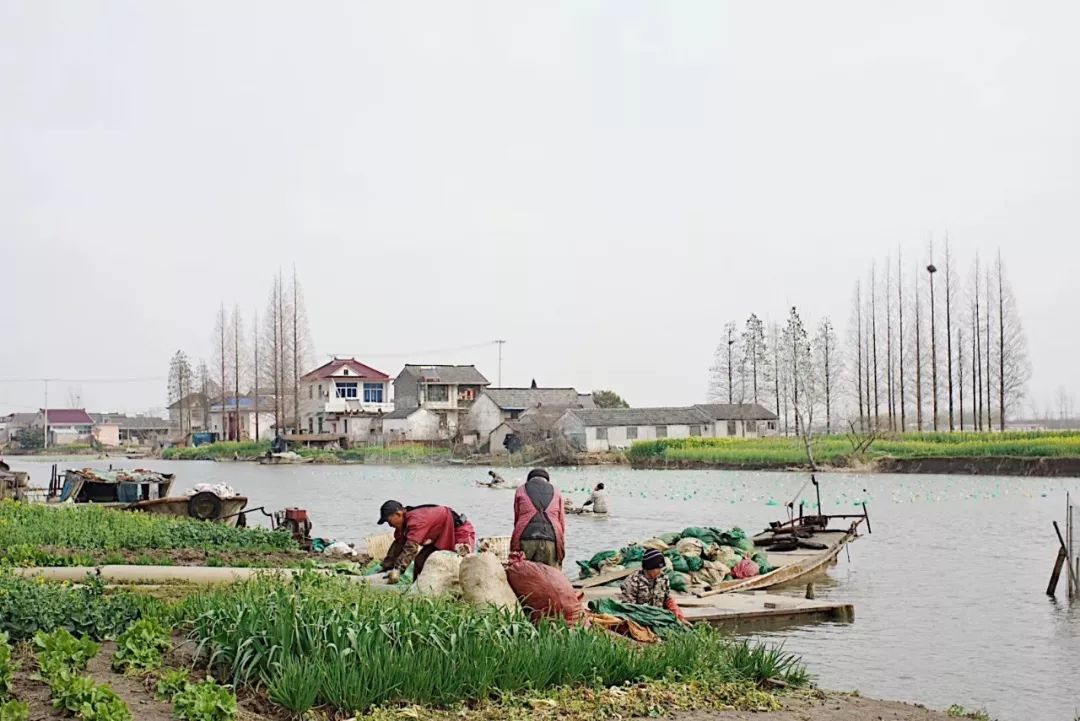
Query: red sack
x=544 y=591
x=745 y=569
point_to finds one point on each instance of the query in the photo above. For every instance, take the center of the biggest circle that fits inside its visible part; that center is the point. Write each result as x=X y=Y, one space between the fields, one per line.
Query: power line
x=457 y=349
x=148 y=379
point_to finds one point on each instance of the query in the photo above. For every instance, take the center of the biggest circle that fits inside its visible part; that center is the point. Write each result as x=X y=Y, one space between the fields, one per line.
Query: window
x=346 y=390
x=771 y=425
x=310 y=425
x=695 y=430
x=320 y=424
x=732 y=428
x=438 y=393
x=310 y=392
x=320 y=390
x=631 y=433
x=661 y=431
x=751 y=426
x=601 y=434
x=346 y=422
x=373 y=393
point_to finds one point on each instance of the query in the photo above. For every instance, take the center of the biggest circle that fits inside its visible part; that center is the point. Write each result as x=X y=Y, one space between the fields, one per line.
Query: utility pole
x=730 y=342
x=46 y=412
x=500 y=343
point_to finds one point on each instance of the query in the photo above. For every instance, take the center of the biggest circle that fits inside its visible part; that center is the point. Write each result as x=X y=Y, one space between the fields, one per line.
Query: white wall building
x=345 y=397
x=495 y=406
x=447 y=391
x=742 y=420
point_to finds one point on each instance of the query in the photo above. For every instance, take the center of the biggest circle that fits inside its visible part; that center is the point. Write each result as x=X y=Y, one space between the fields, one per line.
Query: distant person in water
x=496 y=480
x=598 y=500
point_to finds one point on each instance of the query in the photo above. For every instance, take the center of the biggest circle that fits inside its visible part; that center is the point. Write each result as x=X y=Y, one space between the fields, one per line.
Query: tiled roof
x=399 y=413
x=641 y=416
x=247 y=403
x=454 y=375
x=737 y=412
x=337 y=367
x=69 y=417
x=522 y=398
x=133 y=423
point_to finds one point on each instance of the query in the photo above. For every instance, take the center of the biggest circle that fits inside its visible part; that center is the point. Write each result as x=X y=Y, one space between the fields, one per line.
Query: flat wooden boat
x=274 y=459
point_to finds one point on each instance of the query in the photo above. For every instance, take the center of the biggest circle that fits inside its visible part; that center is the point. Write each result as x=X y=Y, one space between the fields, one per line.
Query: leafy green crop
x=171 y=683
x=141 y=646
x=205 y=701
x=60 y=651
x=8 y=667
x=14 y=711
x=25 y=528
x=81 y=697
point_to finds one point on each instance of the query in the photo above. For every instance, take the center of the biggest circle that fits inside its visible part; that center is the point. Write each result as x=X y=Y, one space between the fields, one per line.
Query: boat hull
x=178 y=507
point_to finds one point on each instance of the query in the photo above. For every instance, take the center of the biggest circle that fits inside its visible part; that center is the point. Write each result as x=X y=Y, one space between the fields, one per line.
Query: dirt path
x=829 y=707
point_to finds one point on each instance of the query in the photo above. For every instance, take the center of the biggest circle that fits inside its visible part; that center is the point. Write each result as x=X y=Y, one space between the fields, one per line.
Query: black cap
x=388 y=509
x=538 y=473
x=652 y=560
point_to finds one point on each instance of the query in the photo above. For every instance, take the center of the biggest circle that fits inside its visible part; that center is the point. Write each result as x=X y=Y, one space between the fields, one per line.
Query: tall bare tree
x=859 y=356
x=1013 y=368
x=774 y=345
x=890 y=395
x=989 y=366
x=796 y=348
x=976 y=333
x=825 y=343
x=272 y=357
x=948 y=329
x=206 y=391
x=256 y=370
x=755 y=354
x=237 y=343
x=180 y=388
x=900 y=347
x=918 y=354
x=932 y=269
x=960 y=373
x=873 y=337
x=723 y=370
x=221 y=352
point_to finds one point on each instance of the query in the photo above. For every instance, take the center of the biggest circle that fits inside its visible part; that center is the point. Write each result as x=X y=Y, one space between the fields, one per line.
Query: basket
x=378 y=546
x=499 y=545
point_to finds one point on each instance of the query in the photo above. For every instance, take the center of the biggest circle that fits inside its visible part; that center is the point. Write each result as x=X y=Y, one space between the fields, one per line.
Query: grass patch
x=837 y=450
x=363 y=649
x=221 y=449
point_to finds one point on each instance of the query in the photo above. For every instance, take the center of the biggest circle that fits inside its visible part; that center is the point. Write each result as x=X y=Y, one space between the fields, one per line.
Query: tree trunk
x=889 y=391
x=948 y=329
x=858 y=355
x=989 y=374
x=960 y=371
x=1001 y=346
x=236 y=368
x=255 y=340
x=296 y=351
x=918 y=355
x=900 y=309
x=977 y=335
x=224 y=386
x=828 y=390
x=873 y=336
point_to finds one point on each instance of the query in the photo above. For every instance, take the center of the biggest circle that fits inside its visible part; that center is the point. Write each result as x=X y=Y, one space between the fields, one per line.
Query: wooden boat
x=195 y=507
x=118 y=488
x=274 y=459
x=504 y=487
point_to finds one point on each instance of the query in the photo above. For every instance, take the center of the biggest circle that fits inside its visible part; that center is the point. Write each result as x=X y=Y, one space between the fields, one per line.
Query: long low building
x=607 y=429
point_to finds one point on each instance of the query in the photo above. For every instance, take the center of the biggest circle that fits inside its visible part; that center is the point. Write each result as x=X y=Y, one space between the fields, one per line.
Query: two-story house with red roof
x=345 y=398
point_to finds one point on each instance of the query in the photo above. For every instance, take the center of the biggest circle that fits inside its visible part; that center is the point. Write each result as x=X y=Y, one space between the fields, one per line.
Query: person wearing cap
x=650 y=587
x=496 y=480
x=598 y=500
x=539 y=521
x=419 y=531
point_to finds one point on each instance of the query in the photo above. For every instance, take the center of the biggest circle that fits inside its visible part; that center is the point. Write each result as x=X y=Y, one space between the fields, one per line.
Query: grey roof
x=641 y=416
x=399 y=413
x=135 y=423
x=522 y=398
x=460 y=375
x=737 y=412
x=20 y=419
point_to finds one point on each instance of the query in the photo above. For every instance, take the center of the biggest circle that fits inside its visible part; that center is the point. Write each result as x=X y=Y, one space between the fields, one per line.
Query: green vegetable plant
x=14 y=711
x=141 y=646
x=59 y=651
x=205 y=701
x=81 y=697
x=8 y=667
x=171 y=683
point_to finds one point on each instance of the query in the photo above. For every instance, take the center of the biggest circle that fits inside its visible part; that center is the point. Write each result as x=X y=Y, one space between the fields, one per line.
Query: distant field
x=837 y=450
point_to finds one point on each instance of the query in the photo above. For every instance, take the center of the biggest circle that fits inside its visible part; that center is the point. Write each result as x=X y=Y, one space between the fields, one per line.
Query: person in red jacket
x=419 y=531
x=539 y=521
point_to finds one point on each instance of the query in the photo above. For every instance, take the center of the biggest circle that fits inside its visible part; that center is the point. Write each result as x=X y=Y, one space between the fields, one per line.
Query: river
x=949 y=590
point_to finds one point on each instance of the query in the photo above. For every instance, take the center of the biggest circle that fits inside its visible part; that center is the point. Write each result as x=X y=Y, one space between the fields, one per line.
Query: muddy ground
x=828 y=707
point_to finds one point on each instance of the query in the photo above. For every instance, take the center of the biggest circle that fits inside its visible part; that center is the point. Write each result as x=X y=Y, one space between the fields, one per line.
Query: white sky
x=601 y=184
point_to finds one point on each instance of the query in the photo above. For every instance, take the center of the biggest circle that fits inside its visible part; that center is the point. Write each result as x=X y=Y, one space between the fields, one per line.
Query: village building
x=65 y=425
x=447 y=394
x=528 y=413
x=345 y=397
x=191 y=413
x=742 y=420
x=243 y=418
x=607 y=429
x=113 y=429
x=12 y=423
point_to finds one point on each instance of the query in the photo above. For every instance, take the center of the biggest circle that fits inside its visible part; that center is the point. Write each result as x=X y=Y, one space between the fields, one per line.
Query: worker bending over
x=650 y=587
x=539 y=521
x=419 y=531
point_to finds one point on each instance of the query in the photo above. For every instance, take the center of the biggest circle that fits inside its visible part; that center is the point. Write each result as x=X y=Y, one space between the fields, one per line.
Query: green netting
x=736 y=538
x=705 y=535
x=694 y=563
x=678 y=562
x=585 y=570
x=632 y=554
x=679 y=582
x=763 y=563
x=648 y=616
x=669 y=538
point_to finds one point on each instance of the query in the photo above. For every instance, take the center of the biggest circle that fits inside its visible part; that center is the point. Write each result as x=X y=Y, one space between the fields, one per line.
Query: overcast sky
x=601 y=184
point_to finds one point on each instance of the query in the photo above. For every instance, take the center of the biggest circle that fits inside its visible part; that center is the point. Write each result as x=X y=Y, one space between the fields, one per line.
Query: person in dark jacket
x=539 y=520
x=650 y=586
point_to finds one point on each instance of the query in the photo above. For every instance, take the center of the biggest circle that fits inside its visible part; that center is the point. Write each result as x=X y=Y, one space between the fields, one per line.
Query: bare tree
x=180 y=388
x=776 y=369
x=723 y=370
x=960 y=371
x=755 y=353
x=873 y=337
x=298 y=345
x=206 y=391
x=889 y=388
x=976 y=422
x=900 y=347
x=1064 y=404
x=221 y=351
x=948 y=328
x=1014 y=370
x=918 y=354
x=256 y=371
x=932 y=269
x=237 y=327
x=825 y=344
x=859 y=356
x=797 y=351
x=74 y=396
x=989 y=366
x=977 y=352
x=272 y=356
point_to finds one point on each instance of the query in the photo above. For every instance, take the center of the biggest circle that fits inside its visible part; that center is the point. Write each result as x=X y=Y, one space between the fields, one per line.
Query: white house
x=66 y=425
x=345 y=397
x=235 y=419
x=606 y=429
x=412 y=424
x=538 y=407
x=743 y=420
x=447 y=391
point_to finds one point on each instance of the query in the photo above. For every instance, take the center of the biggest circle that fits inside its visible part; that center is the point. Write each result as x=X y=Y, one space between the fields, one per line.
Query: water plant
x=141 y=646
x=205 y=701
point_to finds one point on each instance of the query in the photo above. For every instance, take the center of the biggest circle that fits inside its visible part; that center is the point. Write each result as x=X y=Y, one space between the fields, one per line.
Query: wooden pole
x=1051 y=589
x=1068 y=560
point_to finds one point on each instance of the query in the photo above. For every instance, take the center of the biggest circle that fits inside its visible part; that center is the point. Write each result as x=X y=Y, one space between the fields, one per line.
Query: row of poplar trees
x=263 y=361
x=926 y=349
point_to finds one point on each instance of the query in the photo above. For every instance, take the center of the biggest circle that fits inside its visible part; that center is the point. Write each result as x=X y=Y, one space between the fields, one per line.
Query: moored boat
x=288 y=457
x=199 y=506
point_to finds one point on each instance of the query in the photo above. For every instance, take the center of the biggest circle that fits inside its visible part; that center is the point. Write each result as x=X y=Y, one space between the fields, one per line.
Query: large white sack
x=690 y=547
x=483 y=582
x=440 y=575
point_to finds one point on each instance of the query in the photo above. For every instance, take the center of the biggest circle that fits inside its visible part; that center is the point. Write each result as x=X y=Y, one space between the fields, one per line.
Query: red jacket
x=525 y=510
x=433 y=523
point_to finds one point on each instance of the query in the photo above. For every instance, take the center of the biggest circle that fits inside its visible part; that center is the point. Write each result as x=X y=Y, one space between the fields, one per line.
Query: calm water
x=948 y=590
